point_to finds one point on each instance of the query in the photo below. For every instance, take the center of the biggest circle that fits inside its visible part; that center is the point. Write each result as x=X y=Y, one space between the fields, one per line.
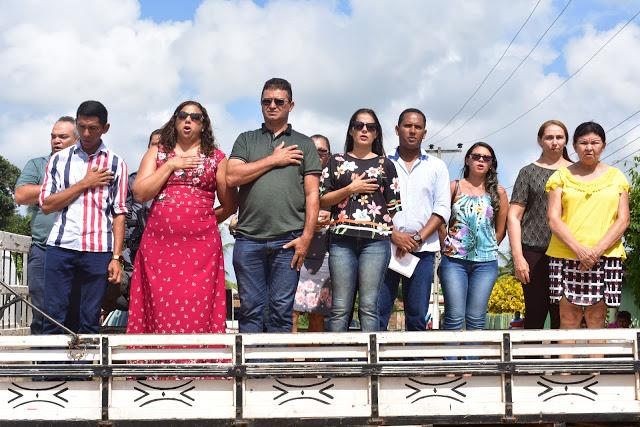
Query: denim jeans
x=266 y=283
x=415 y=293
x=356 y=263
x=75 y=283
x=35 y=273
x=466 y=286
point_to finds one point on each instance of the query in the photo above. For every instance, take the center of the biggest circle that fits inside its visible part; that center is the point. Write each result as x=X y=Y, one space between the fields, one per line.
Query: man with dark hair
x=86 y=184
x=426 y=204
x=27 y=191
x=277 y=170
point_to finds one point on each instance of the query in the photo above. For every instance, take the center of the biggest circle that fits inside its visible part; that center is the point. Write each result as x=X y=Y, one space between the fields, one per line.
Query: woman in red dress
x=178 y=283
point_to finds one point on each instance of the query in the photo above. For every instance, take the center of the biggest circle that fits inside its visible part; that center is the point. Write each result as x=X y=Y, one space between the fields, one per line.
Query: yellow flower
x=507 y=296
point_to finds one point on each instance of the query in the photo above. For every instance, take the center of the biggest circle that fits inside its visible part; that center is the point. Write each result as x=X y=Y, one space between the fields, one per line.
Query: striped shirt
x=85 y=224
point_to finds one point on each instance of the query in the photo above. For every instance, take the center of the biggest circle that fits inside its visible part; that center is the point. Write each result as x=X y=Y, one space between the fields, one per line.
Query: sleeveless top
x=471 y=235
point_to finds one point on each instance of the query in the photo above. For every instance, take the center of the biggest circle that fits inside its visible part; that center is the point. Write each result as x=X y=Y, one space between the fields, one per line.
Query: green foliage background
x=632 y=236
x=10 y=218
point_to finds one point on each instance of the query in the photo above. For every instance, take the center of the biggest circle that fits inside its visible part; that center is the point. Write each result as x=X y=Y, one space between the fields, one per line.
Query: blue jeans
x=362 y=263
x=266 y=283
x=466 y=286
x=75 y=281
x=415 y=293
x=35 y=273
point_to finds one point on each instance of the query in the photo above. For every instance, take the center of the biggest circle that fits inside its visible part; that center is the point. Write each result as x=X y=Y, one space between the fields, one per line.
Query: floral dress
x=362 y=215
x=178 y=283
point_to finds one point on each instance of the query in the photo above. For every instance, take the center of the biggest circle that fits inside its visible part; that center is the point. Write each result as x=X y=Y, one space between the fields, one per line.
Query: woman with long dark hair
x=477 y=226
x=588 y=213
x=178 y=280
x=361 y=188
x=529 y=231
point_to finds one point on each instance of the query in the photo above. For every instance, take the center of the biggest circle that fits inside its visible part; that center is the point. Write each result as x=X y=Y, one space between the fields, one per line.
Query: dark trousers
x=536 y=293
x=66 y=270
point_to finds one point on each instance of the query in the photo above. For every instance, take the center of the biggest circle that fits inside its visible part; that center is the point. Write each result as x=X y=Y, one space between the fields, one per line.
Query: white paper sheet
x=404 y=265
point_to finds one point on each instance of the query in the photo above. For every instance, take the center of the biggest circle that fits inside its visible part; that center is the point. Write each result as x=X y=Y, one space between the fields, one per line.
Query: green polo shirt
x=41 y=224
x=273 y=204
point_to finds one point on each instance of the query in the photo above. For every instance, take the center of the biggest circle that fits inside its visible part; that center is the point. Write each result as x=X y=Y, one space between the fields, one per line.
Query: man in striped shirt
x=86 y=184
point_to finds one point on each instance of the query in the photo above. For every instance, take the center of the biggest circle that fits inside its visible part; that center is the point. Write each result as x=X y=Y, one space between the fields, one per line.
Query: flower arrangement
x=506 y=296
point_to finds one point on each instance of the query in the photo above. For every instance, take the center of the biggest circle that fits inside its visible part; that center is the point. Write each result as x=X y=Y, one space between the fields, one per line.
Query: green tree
x=10 y=219
x=632 y=236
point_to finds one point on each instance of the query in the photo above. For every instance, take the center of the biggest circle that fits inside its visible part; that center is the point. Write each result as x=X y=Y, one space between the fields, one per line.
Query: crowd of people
x=315 y=231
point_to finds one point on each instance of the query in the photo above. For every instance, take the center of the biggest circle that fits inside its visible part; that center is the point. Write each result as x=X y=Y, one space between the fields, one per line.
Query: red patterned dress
x=178 y=284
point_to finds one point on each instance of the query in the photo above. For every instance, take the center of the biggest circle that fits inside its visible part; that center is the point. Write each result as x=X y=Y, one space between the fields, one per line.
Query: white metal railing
x=347 y=378
x=15 y=317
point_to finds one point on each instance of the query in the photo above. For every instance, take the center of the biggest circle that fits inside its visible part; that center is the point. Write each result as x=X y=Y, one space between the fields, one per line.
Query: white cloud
x=385 y=55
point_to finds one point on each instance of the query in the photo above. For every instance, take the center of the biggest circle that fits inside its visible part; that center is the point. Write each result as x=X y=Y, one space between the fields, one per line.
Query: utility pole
x=435 y=289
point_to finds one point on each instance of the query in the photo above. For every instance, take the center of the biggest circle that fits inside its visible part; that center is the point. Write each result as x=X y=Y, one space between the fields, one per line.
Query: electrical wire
x=487 y=76
x=565 y=81
x=504 y=82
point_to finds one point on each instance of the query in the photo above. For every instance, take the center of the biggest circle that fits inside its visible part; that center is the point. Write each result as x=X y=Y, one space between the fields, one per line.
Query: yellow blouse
x=588 y=209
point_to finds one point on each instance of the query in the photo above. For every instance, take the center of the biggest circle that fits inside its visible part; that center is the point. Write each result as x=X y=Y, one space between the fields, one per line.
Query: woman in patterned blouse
x=361 y=188
x=477 y=226
x=529 y=231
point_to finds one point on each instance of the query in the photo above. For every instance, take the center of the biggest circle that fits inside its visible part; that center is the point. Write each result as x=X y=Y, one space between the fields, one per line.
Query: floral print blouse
x=471 y=235
x=362 y=215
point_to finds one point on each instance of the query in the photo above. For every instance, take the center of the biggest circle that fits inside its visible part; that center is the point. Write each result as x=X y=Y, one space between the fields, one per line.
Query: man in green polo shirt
x=277 y=170
x=63 y=135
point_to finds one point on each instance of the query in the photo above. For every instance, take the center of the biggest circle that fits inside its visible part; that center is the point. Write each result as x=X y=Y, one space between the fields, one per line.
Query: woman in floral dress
x=361 y=187
x=478 y=224
x=178 y=284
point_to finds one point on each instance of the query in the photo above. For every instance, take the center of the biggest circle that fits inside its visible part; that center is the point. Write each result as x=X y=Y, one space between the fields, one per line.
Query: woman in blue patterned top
x=361 y=188
x=478 y=224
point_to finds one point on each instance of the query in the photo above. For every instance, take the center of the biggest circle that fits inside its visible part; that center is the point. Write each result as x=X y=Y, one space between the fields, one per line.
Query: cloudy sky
x=141 y=58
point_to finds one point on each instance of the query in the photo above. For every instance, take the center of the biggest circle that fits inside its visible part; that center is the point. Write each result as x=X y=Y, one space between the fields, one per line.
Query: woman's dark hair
x=490 y=179
x=544 y=127
x=169 y=136
x=377 y=146
x=587 y=128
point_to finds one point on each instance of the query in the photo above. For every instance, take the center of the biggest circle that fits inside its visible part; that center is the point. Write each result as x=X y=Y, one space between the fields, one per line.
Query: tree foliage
x=10 y=219
x=632 y=236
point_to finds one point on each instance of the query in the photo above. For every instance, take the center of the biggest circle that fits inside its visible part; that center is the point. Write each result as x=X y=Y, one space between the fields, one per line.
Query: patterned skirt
x=603 y=280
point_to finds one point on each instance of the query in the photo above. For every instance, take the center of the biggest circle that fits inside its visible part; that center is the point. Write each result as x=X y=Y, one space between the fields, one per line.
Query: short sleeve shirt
x=529 y=191
x=273 y=204
x=362 y=215
x=41 y=223
x=589 y=209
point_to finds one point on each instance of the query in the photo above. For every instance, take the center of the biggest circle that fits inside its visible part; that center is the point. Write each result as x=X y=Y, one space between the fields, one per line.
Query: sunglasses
x=196 y=117
x=278 y=101
x=358 y=126
x=481 y=157
x=323 y=151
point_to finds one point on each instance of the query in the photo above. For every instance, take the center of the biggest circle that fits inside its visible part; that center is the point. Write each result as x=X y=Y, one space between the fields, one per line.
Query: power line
x=621 y=148
x=626 y=157
x=612 y=128
x=487 y=76
x=620 y=136
x=561 y=84
x=504 y=82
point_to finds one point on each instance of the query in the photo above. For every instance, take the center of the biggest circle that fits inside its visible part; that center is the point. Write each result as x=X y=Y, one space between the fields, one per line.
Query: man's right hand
x=98 y=177
x=404 y=242
x=285 y=156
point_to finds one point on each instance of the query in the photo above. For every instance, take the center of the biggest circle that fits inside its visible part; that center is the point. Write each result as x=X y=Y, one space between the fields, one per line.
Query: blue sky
x=142 y=58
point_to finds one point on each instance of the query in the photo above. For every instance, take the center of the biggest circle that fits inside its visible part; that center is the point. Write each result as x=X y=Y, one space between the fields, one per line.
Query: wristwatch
x=417 y=238
x=117 y=258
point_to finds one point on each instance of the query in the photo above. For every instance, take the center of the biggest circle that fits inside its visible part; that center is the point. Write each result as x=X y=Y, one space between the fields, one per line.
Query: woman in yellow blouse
x=588 y=213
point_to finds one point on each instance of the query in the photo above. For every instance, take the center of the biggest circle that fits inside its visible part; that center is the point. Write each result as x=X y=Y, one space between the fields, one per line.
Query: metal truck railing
x=15 y=316
x=323 y=378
